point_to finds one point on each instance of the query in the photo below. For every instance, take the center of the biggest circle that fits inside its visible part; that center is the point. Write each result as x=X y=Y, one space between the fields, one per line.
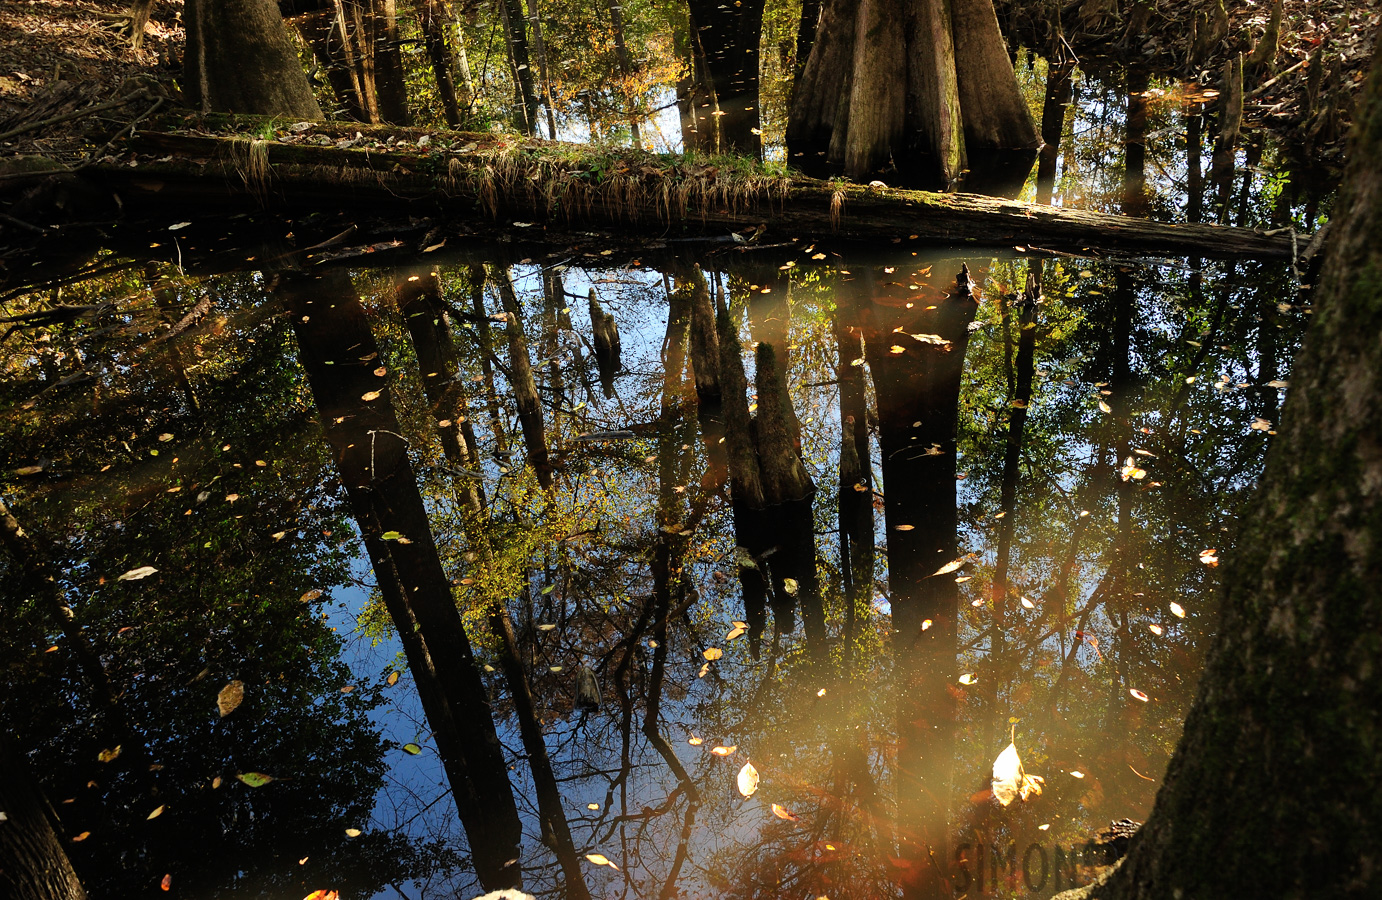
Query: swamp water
x=329 y=534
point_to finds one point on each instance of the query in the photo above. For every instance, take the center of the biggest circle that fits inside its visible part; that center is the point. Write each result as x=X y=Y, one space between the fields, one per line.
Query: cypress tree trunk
x=239 y=60
x=820 y=98
x=33 y=863
x=876 y=105
x=995 y=115
x=1269 y=793
x=521 y=381
x=935 y=149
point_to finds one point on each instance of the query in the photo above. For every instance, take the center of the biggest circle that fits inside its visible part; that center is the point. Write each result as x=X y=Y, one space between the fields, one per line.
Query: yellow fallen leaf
x=951 y=566
x=969 y=678
x=724 y=751
x=904 y=528
x=155 y=814
x=783 y=812
x=713 y=653
x=1103 y=406
x=696 y=742
x=230 y=697
x=1010 y=782
x=367 y=396
x=1177 y=610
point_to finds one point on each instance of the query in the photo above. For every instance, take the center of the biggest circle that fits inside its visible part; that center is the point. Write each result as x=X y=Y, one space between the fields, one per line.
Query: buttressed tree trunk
x=904 y=89
x=1269 y=793
x=239 y=60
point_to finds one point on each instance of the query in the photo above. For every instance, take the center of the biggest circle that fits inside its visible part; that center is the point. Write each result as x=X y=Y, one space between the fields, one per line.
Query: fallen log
x=333 y=166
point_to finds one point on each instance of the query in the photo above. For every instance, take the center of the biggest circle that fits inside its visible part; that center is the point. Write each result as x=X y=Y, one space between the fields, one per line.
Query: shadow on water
x=658 y=570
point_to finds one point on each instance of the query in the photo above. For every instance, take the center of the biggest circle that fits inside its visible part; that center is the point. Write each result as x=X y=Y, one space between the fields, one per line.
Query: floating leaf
x=255 y=779
x=367 y=396
x=738 y=629
x=713 y=653
x=323 y=895
x=592 y=806
x=230 y=697
x=392 y=679
x=1028 y=604
x=216 y=782
x=1260 y=424
x=1177 y=610
x=695 y=741
x=1210 y=557
x=167 y=882
x=1010 y=782
x=790 y=586
x=783 y=812
x=1076 y=774
x=926 y=624
x=310 y=595
x=155 y=814
x=724 y=751
x=555 y=670
x=412 y=749
x=747 y=780
x=1139 y=695
x=600 y=859
x=353 y=832
x=951 y=566
x=136 y=574
x=547 y=627
x=394 y=536
x=705 y=670
x=904 y=528
x=1104 y=407
x=110 y=755
x=81 y=837
x=1154 y=628
x=970 y=678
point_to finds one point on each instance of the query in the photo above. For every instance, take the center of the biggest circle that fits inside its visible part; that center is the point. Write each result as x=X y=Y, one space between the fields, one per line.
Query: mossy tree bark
x=1270 y=791
x=239 y=60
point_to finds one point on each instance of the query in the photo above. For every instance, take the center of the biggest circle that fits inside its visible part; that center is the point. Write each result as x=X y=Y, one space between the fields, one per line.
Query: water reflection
x=857 y=518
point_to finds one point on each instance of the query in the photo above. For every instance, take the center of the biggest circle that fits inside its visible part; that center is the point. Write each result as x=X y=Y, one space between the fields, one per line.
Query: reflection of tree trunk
x=915 y=381
x=705 y=346
x=476 y=276
x=358 y=418
x=607 y=346
x=1135 y=146
x=550 y=807
x=419 y=302
x=855 y=507
x=521 y=381
x=33 y=863
x=695 y=100
x=1021 y=395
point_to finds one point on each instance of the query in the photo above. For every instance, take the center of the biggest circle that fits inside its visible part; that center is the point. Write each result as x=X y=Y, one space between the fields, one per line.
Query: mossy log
x=546 y=182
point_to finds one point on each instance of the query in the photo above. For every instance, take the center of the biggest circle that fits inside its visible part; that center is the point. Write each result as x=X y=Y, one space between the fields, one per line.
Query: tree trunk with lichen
x=1270 y=793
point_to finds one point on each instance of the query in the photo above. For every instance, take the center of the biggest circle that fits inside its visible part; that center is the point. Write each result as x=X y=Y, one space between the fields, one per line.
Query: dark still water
x=794 y=572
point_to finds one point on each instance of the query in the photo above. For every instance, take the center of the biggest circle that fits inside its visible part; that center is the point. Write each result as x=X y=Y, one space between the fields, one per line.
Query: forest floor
x=58 y=56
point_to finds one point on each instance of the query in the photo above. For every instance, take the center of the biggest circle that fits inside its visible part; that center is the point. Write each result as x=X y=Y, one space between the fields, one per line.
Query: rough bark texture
x=820 y=98
x=33 y=863
x=239 y=60
x=935 y=150
x=876 y=103
x=1270 y=791
x=995 y=115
